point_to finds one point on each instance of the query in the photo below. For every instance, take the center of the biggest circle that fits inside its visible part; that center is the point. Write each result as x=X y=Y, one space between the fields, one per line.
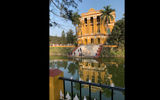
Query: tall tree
x=118 y=33
x=63 y=37
x=70 y=37
x=107 y=16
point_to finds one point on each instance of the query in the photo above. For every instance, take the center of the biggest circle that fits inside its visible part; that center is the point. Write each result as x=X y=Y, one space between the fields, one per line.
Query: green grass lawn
x=57 y=57
x=63 y=51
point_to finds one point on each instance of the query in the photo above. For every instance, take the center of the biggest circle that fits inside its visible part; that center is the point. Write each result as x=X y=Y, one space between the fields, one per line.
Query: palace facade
x=92 y=29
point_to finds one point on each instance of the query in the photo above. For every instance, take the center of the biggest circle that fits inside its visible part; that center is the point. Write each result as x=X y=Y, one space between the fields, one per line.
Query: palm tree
x=106 y=15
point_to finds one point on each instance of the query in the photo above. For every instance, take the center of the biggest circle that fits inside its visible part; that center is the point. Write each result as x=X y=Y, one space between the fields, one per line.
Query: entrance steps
x=87 y=51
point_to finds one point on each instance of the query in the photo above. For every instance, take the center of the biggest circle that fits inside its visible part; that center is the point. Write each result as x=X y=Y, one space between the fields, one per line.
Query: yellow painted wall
x=86 y=31
x=55 y=85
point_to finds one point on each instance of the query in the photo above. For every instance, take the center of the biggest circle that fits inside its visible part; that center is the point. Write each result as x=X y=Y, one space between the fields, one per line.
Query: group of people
x=79 y=51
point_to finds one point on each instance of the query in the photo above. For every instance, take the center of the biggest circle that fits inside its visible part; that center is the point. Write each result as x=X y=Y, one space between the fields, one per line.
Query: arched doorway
x=86 y=41
x=99 y=41
x=92 y=41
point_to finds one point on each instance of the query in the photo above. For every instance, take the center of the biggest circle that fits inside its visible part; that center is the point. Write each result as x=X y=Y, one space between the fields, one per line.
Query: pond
x=109 y=71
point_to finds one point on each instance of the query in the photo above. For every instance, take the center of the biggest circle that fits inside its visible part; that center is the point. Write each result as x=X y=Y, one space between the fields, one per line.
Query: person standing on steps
x=81 y=51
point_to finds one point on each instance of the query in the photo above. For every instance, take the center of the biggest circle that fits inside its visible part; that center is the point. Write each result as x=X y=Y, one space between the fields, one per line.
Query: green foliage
x=58 y=40
x=75 y=18
x=70 y=37
x=117 y=72
x=63 y=37
x=72 y=68
x=117 y=37
x=76 y=44
x=113 y=52
x=55 y=40
x=60 y=50
x=62 y=64
x=106 y=15
x=106 y=92
x=63 y=9
x=118 y=33
x=57 y=57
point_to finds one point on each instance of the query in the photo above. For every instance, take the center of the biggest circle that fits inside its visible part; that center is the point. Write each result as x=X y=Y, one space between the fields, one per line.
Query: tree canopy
x=69 y=38
x=63 y=9
x=63 y=38
x=117 y=37
x=106 y=15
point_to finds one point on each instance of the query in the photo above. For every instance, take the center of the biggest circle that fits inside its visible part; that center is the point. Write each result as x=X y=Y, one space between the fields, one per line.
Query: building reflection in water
x=93 y=71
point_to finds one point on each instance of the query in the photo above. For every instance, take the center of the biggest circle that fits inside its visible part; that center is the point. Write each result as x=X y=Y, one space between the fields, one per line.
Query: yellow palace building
x=92 y=29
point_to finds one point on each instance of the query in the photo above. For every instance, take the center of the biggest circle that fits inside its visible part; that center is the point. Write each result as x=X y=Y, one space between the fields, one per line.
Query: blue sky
x=83 y=7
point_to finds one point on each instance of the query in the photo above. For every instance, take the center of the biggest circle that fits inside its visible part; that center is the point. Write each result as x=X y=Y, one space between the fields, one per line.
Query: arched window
x=91 y=21
x=92 y=24
x=98 y=24
x=98 y=20
x=85 y=21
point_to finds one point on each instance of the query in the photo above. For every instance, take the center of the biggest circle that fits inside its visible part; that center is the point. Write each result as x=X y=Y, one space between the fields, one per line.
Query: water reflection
x=108 y=71
x=92 y=71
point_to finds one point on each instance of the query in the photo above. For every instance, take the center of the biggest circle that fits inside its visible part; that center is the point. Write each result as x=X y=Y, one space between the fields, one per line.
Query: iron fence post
x=100 y=93
x=80 y=90
x=111 y=94
x=72 y=90
x=64 y=88
x=89 y=92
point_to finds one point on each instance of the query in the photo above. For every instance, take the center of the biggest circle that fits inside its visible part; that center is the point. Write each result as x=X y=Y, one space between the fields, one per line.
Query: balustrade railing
x=64 y=96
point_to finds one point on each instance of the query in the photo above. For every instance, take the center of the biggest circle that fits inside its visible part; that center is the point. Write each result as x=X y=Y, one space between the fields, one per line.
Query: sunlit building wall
x=93 y=30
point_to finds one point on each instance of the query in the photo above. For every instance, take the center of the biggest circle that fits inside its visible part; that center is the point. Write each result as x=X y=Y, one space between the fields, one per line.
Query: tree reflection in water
x=72 y=68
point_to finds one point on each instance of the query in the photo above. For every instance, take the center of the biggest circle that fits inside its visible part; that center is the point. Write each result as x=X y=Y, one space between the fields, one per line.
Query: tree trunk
x=107 y=27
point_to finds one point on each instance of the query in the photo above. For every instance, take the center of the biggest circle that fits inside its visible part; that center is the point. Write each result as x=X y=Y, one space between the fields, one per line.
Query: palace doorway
x=92 y=41
x=99 y=41
x=86 y=41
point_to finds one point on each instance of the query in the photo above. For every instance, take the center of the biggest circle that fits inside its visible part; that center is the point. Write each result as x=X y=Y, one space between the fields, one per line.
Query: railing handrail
x=93 y=84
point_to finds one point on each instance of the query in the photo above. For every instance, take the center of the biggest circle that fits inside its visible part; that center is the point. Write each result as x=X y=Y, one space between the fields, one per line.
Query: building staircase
x=99 y=51
x=87 y=51
x=74 y=50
